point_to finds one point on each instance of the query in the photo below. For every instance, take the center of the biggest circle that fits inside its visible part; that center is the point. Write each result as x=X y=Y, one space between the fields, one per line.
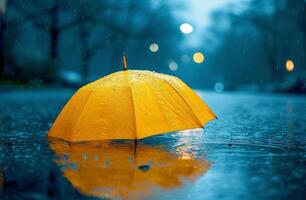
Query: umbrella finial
x=124 y=63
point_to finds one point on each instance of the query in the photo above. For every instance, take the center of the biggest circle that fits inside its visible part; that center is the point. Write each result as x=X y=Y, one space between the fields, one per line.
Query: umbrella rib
x=194 y=115
x=160 y=109
x=80 y=115
x=133 y=106
x=207 y=108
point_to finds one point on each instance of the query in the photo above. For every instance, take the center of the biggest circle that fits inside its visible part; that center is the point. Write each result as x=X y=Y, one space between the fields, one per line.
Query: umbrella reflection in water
x=119 y=171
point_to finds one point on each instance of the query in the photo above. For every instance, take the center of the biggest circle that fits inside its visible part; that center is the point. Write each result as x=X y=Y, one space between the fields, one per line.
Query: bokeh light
x=173 y=66
x=198 y=57
x=289 y=65
x=185 y=59
x=154 y=47
x=186 y=28
x=219 y=87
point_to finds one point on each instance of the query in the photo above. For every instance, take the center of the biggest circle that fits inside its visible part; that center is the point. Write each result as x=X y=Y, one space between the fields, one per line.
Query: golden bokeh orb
x=289 y=65
x=198 y=57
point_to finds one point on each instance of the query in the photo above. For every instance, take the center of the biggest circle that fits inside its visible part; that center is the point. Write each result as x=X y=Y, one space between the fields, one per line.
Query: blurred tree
x=108 y=27
x=87 y=15
x=278 y=22
x=2 y=27
x=45 y=15
x=258 y=39
x=128 y=25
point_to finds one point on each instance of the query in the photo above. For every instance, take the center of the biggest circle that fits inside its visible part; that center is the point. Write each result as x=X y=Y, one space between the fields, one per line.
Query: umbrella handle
x=124 y=63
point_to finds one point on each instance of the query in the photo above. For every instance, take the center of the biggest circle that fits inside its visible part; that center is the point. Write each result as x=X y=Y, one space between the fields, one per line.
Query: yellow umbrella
x=130 y=104
x=119 y=171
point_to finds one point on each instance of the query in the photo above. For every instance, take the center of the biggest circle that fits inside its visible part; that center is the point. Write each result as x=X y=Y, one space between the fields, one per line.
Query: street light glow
x=198 y=57
x=154 y=47
x=289 y=65
x=186 y=28
x=173 y=66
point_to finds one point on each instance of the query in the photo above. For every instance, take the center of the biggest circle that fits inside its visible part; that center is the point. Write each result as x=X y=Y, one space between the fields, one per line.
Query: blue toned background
x=245 y=58
x=247 y=45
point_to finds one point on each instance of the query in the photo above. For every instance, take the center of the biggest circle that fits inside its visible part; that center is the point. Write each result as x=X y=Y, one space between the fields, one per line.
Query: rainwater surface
x=255 y=150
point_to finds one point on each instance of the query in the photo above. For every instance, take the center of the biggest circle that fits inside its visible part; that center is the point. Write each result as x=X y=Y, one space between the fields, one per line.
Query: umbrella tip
x=124 y=63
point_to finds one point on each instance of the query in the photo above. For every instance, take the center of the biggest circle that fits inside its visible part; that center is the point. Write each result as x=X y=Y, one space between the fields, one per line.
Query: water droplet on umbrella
x=144 y=168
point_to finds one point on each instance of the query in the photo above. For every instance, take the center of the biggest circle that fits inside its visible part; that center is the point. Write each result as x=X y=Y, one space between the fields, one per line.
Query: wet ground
x=255 y=150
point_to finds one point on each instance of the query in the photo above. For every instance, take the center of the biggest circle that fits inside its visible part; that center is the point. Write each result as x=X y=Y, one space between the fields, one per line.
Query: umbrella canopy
x=122 y=172
x=131 y=104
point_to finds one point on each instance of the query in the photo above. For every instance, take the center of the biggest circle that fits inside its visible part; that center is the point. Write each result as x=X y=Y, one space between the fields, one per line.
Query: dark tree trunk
x=275 y=68
x=54 y=32
x=2 y=27
x=54 y=44
x=2 y=180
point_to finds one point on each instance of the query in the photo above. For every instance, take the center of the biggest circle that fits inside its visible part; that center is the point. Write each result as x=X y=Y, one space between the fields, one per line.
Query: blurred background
x=256 y=48
x=221 y=45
